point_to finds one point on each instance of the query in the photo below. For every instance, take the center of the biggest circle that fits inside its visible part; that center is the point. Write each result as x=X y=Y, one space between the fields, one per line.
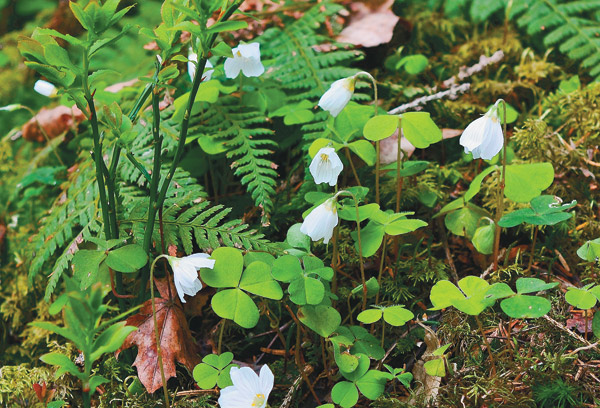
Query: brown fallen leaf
x=369 y=27
x=176 y=341
x=54 y=122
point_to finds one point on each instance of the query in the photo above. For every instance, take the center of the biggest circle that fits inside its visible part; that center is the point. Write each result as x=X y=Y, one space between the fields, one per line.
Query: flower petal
x=252 y=67
x=232 y=397
x=266 y=380
x=232 y=67
x=246 y=380
x=248 y=50
x=473 y=135
x=200 y=260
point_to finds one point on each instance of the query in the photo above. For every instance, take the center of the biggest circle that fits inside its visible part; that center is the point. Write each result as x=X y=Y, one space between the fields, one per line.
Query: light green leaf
x=435 y=367
x=227 y=271
x=205 y=376
x=286 y=268
x=483 y=239
x=524 y=306
x=324 y=320
x=234 y=304
x=419 y=129
x=579 y=298
x=381 y=127
x=127 y=259
x=364 y=150
x=527 y=181
x=257 y=280
x=306 y=291
x=372 y=384
x=397 y=315
x=529 y=285
x=344 y=394
x=370 y=316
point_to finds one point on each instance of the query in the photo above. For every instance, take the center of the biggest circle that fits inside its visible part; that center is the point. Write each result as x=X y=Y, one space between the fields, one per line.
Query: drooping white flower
x=45 y=88
x=248 y=390
x=483 y=137
x=185 y=273
x=338 y=95
x=246 y=58
x=192 y=61
x=326 y=166
x=321 y=221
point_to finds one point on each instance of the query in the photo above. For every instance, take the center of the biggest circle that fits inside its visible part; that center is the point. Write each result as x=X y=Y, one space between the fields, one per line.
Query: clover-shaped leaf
x=584 y=298
x=214 y=370
x=371 y=384
x=590 y=251
x=324 y=320
x=437 y=366
x=359 y=340
x=519 y=305
x=470 y=298
x=229 y=274
x=545 y=210
x=394 y=315
x=305 y=286
x=527 y=181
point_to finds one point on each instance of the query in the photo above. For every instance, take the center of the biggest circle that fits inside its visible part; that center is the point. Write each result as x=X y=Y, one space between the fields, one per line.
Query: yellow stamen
x=324 y=157
x=258 y=400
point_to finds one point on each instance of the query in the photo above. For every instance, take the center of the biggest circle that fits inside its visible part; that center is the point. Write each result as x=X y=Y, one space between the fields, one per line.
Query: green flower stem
x=362 y=263
x=86 y=399
x=500 y=206
x=156 y=334
x=383 y=248
x=382 y=333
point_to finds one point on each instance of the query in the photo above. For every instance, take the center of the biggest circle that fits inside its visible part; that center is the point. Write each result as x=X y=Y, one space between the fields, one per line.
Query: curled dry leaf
x=176 y=341
x=370 y=27
x=54 y=122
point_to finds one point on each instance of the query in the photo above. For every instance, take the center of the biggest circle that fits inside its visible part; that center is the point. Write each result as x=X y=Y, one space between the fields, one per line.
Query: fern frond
x=245 y=134
x=300 y=63
x=188 y=218
x=566 y=23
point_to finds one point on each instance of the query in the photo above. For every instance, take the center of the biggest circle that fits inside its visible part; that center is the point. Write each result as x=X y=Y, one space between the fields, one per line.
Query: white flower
x=338 y=95
x=483 y=137
x=192 y=61
x=45 y=88
x=321 y=221
x=10 y=108
x=248 y=390
x=326 y=166
x=185 y=273
x=246 y=58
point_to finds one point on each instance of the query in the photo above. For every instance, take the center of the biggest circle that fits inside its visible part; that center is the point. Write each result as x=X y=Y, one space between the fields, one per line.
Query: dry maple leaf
x=54 y=122
x=176 y=341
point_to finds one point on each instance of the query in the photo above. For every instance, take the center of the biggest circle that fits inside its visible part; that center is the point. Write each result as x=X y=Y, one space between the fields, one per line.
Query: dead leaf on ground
x=369 y=27
x=54 y=122
x=176 y=341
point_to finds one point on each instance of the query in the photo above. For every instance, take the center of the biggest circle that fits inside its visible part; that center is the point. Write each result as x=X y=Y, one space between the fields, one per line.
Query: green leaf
x=397 y=315
x=344 y=394
x=324 y=320
x=370 y=316
x=569 y=85
x=483 y=239
x=527 y=181
x=224 y=379
x=475 y=185
x=86 y=263
x=579 y=298
x=498 y=291
x=286 y=268
x=524 y=306
x=205 y=376
x=227 y=271
x=419 y=129
x=297 y=239
x=111 y=339
x=306 y=291
x=224 y=360
x=444 y=294
x=464 y=222
x=372 y=384
x=348 y=212
x=590 y=251
x=222 y=50
x=413 y=64
x=545 y=210
x=346 y=362
x=95 y=381
x=234 y=304
x=364 y=150
x=62 y=361
x=596 y=324
x=403 y=226
x=371 y=238
x=226 y=26
x=257 y=280
x=381 y=127
x=372 y=287
x=529 y=285
x=435 y=367
x=127 y=259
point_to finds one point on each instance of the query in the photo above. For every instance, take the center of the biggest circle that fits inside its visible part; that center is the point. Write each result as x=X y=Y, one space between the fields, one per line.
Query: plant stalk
x=500 y=206
x=156 y=334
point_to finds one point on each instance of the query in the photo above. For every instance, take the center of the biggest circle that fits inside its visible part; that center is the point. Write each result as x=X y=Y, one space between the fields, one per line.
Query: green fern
x=244 y=131
x=565 y=22
x=187 y=218
x=303 y=69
